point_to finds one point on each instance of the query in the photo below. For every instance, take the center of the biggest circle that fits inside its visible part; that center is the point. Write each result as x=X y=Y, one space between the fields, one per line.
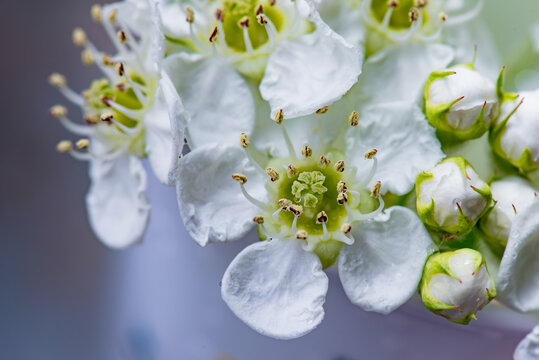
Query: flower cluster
x=312 y=121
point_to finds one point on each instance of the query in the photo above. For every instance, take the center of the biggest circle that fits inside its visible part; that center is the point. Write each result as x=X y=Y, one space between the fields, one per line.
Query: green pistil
x=307 y=186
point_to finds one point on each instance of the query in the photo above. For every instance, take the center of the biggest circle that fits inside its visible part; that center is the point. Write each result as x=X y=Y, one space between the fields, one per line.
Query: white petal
x=400 y=72
x=381 y=270
x=164 y=123
x=276 y=288
x=518 y=277
x=406 y=145
x=528 y=348
x=314 y=70
x=118 y=208
x=216 y=97
x=211 y=203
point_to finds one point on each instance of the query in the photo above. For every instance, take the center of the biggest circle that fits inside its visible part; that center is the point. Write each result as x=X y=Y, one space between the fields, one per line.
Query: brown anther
x=57 y=80
x=392 y=3
x=87 y=57
x=284 y=203
x=107 y=60
x=79 y=37
x=259 y=219
x=95 y=12
x=189 y=15
x=91 y=119
x=261 y=19
x=442 y=16
x=122 y=87
x=64 y=146
x=273 y=174
x=342 y=198
x=346 y=228
x=122 y=37
x=219 y=15
x=244 y=21
x=339 y=166
x=369 y=154
x=353 y=119
x=272 y=2
x=420 y=3
x=321 y=217
x=291 y=171
x=83 y=144
x=58 y=111
x=302 y=235
x=244 y=140
x=279 y=116
x=120 y=69
x=322 y=110
x=106 y=118
x=213 y=35
x=375 y=191
x=323 y=162
x=295 y=209
x=306 y=151
x=112 y=16
x=259 y=9
x=341 y=187
x=242 y=179
x=105 y=100
x=413 y=15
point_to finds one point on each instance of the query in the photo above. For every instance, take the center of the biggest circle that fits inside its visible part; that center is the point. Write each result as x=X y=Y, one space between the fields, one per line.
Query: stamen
x=321 y=218
x=64 y=146
x=391 y=5
x=122 y=37
x=295 y=224
x=323 y=162
x=83 y=144
x=285 y=203
x=273 y=174
x=189 y=15
x=79 y=37
x=442 y=16
x=272 y=2
x=109 y=118
x=113 y=15
x=91 y=119
x=106 y=60
x=371 y=172
x=242 y=179
x=472 y=14
x=339 y=166
x=322 y=110
x=420 y=3
x=346 y=228
x=259 y=10
x=291 y=171
x=219 y=15
x=326 y=232
x=213 y=35
x=133 y=114
x=349 y=212
x=353 y=119
x=244 y=140
x=259 y=219
x=278 y=118
x=413 y=15
x=244 y=24
x=136 y=89
x=341 y=187
x=375 y=191
x=297 y=210
x=96 y=13
x=302 y=235
x=87 y=57
x=295 y=26
x=60 y=113
x=342 y=198
x=59 y=82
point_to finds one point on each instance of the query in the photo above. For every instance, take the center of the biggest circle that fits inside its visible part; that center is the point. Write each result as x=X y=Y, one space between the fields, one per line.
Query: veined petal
x=164 y=123
x=211 y=203
x=309 y=72
x=276 y=288
x=381 y=270
x=518 y=276
x=406 y=145
x=118 y=208
x=217 y=99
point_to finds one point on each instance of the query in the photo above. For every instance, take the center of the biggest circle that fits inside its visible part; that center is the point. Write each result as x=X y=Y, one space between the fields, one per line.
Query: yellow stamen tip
x=64 y=146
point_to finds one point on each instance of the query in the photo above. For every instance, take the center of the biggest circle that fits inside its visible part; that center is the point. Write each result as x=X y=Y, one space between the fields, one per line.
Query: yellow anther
x=302 y=235
x=306 y=151
x=79 y=37
x=323 y=162
x=346 y=228
x=244 y=140
x=369 y=154
x=413 y=15
x=58 y=111
x=107 y=60
x=106 y=117
x=375 y=191
x=442 y=16
x=322 y=110
x=57 y=80
x=96 y=13
x=279 y=116
x=259 y=219
x=119 y=67
x=296 y=209
x=92 y=119
x=189 y=15
x=213 y=35
x=219 y=15
x=259 y=10
x=321 y=217
x=122 y=37
x=392 y=3
x=82 y=144
x=420 y=3
x=87 y=57
x=273 y=174
x=341 y=187
x=244 y=21
x=242 y=179
x=64 y=146
x=291 y=171
x=353 y=119
x=342 y=198
x=284 y=203
x=339 y=166
x=112 y=16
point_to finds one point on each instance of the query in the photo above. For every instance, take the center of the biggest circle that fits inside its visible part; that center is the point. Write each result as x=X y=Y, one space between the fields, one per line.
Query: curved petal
x=211 y=203
x=164 y=125
x=518 y=276
x=118 y=208
x=406 y=145
x=217 y=99
x=381 y=270
x=528 y=348
x=276 y=288
x=307 y=73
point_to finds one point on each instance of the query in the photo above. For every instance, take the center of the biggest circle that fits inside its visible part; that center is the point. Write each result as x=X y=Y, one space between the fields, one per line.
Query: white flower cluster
x=312 y=121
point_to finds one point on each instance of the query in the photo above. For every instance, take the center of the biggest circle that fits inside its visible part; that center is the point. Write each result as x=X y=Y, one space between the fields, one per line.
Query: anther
x=291 y=171
x=284 y=203
x=64 y=146
x=79 y=37
x=57 y=80
x=58 y=111
x=321 y=217
x=219 y=15
x=413 y=15
x=189 y=15
x=339 y=166
x=346 y=228
x=82 y=144
x=92 y=119
x=302 y=235
x=296 y=209
x=107 y=60
x=87 y=57
x=96 y=13
x=259 y=219
x=244 y=21
x=420 y=3
x=369 y=154
x=375 y=191
x=442 y=16
x=259 y=9
x=306 y=151
x=112 y=16
x=106 y=118
x=341 y=187
x=322 y=110
x=244 y=140
x=342 y=198
x=279 y=116
x=272 y=2
x=273 y=174
x=323 y=162
x=353 y=119
x=242 y=179
x=122 y=37
x=120 y=69
x=261 y=19
x=213 y=35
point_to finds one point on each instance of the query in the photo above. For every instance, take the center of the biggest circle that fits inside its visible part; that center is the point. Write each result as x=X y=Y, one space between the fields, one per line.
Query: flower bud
x=514 y=136
x=456 y=284
x=460 y=102
x=512 y=195
x=451 y=197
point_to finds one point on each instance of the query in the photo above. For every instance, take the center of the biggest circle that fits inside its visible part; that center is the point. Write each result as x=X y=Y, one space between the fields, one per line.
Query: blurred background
x=65 y=296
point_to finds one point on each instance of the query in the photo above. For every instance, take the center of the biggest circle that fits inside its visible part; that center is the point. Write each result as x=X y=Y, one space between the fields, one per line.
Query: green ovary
x=399 y=18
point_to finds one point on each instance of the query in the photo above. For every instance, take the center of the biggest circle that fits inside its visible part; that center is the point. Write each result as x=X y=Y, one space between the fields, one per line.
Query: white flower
x=131 y=113
x=451 y=197
x=511 y=195
x=283 y=48
x=460 y=102
x=456 y=284
x=313 y=210
x=528 y=348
